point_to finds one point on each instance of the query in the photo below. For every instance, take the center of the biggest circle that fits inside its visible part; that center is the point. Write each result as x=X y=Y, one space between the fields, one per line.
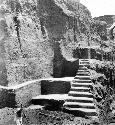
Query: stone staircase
x=80 y=98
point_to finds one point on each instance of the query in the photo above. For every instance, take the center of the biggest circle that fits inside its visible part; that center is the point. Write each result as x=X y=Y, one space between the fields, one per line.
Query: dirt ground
x=42 y=117
x=45 y=117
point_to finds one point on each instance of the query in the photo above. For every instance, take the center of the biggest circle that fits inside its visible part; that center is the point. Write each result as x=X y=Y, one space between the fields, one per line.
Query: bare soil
x=45 y=117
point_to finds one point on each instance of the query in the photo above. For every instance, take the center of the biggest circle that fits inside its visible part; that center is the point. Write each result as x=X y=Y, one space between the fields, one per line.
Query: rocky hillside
x=30 y=31
x=107 y=18
x=27 y=54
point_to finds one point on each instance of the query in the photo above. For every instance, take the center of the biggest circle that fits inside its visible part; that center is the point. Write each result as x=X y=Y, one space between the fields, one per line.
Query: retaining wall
x=18 y=95
x=15 y=96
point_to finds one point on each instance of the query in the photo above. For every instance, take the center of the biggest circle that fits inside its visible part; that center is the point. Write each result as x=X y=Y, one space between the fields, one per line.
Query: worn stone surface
x=3 y=35
x=7 y=116
x=20 y=94
x=27 y=54
x=23 y=95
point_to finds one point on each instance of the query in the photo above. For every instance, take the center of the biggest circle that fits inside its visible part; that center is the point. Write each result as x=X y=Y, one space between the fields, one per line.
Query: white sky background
x=100 y=7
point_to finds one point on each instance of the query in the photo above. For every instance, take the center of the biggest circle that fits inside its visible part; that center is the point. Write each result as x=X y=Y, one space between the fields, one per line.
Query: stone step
x=81 y=81
x=79 y=105
x=80 y=94
x=84 y=62
x=80 y=99
x=89 y=112
x=80 y=89
x=52 y=96
x=81 y=85
x=83 y=68
x=77 y=76
x=83 y=59
x=85 y=71
x=35 y=107
x=82 y=74
x=81 y=63
x=82 y=77
x=51 y=99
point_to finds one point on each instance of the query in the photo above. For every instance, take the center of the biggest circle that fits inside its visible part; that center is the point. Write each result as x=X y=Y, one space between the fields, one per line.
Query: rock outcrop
x=30 y=31
x=109 y=19
x=27 y=54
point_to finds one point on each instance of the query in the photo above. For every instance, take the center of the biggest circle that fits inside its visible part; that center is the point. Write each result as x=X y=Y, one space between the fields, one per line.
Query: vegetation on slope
x=102 y=75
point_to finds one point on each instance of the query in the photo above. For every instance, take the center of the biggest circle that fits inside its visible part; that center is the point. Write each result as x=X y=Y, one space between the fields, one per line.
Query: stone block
x=22 y=94
x=18 y=95
x=56 y=85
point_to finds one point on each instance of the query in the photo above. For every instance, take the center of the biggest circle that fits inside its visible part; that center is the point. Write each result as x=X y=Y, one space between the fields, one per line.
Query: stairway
x=79 y=97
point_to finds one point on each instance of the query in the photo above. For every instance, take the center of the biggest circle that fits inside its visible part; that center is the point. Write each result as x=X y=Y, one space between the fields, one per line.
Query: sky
x=100 y=7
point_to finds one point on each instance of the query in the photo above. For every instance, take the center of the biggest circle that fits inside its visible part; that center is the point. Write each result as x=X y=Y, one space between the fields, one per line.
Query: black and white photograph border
x=57 y=62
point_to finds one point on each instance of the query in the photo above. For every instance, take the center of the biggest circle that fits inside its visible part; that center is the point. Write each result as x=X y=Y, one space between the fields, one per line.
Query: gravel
x=45 y=117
